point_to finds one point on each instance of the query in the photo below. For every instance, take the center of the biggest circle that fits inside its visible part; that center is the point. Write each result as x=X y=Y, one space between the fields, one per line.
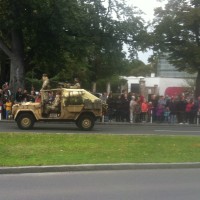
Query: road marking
x=178 y=131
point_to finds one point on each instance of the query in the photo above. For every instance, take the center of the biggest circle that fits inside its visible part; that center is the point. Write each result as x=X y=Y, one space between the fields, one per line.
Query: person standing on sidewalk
x=19 y=95
x=133 y=103
x=181 y=105
x=8 y=108
x=118 y=113
x=110 y=111
x=125 y=103
x=144 y=110
x=154 y=100
x=189 y=119
x=196 y=110
x=173 y=110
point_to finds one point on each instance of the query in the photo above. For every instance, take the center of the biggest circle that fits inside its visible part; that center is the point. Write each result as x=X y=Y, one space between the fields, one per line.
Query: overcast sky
x=147 y=6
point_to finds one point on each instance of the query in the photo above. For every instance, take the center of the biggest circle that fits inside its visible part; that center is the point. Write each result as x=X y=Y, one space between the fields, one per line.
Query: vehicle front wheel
x=85 y=122
x=25 y=121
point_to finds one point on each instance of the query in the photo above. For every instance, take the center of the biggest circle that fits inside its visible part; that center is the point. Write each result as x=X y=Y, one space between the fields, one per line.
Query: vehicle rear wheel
x=25 y=121
x=85 y=122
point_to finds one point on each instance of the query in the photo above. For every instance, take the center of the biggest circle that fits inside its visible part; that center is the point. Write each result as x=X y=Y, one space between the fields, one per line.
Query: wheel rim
x=26 y=122
x=86 y=123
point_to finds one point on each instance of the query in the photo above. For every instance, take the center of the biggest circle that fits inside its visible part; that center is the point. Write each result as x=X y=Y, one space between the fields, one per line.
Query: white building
x=156 y=85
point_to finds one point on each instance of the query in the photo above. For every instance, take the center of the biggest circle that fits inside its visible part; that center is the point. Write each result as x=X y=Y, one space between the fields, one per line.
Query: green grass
x=62 y=149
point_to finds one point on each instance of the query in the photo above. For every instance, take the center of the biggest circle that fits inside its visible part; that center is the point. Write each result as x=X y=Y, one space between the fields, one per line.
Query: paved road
x=171 y=184
x=122 y=128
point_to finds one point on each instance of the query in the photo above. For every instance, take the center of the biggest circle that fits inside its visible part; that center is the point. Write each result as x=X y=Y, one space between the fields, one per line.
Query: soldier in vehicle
x=46 y=82
x=76 y=84
x=55 y=106
x=45 y=86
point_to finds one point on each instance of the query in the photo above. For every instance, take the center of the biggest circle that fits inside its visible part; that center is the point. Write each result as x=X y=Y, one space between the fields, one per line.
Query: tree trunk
x=16 y=55
x=17 y=62
x=197 y=89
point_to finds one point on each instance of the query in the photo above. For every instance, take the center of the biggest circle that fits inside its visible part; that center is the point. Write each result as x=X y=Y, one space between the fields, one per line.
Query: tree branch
x=6 y=49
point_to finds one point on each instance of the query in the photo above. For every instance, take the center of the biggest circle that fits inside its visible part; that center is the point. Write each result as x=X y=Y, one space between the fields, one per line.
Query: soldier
x=76 y=84
x=46 y=83
x=45 y=86
x=55 y=106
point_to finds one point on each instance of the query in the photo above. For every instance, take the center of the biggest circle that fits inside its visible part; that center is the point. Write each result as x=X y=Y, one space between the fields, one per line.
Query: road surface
x=182 y=184
x=114 y=128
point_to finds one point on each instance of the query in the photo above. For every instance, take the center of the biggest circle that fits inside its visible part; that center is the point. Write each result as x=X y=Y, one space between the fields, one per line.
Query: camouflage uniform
x=55 y=105
x=46 y=83
x=45 y=86
x=76 y=84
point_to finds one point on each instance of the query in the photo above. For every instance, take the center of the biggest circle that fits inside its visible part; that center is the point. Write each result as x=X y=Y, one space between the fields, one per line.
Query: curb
x=97 y=167
x=143 y=124
x=125 y=123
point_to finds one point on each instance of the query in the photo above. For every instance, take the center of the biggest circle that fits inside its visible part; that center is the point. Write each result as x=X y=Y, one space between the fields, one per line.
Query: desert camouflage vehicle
x=76 y=105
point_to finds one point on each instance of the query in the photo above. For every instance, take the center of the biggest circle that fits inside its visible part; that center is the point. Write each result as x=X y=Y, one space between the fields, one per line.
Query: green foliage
x=115 y=82
x=177 y=33
x=137 y=68
x=68 y=39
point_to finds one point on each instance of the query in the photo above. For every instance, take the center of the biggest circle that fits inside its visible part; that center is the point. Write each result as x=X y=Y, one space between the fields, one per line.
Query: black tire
x=85 y=122
x=25 y=121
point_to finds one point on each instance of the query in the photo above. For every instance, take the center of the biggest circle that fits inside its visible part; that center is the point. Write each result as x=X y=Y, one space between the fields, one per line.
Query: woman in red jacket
x=144 y=110
x=188 y=111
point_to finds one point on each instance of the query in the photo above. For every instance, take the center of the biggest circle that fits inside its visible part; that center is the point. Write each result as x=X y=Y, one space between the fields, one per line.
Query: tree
x=137 y=68
x=110 y=27
x=24 y=30
x=65 y=39
x=177 y=33
x=14 y=50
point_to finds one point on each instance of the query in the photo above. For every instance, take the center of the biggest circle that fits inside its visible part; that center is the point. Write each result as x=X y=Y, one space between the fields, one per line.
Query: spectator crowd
x=125 y=107
x=8 y=99
x=133 y=108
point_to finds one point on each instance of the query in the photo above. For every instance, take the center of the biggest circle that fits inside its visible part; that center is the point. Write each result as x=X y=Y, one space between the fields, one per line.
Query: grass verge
x=62 y=149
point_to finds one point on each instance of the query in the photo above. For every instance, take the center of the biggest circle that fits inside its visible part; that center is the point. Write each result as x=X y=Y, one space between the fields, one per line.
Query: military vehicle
x=73 y=105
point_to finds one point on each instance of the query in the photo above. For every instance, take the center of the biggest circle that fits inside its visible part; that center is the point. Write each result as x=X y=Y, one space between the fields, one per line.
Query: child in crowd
x=8 y=107
x=159 y=112
x=167 y=115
